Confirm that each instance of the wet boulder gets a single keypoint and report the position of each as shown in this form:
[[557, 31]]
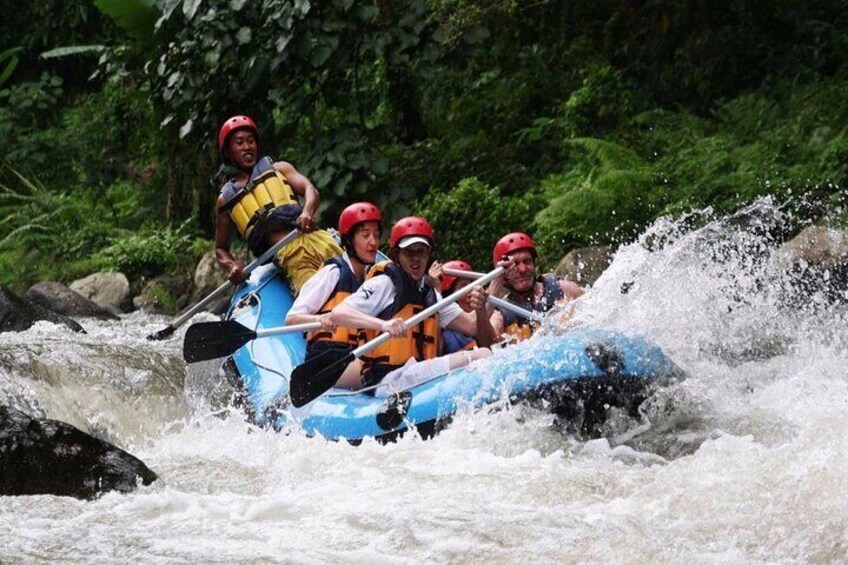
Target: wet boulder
[[208, 276], [109, 290], [166, 294], [817, 258], [63, 300], [585, 265], [18, 314], [40, 456]]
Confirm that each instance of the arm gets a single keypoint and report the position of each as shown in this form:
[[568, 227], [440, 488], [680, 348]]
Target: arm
[[225, 259], [312, 297], [344, 315], [303, 186], [483, 330], [570, 289], [435, 274], [497, 322]]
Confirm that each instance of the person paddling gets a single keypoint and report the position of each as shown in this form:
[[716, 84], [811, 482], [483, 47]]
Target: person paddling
[[522, 286], [454, 340], [360, 228], [260, 202], [393, 292]]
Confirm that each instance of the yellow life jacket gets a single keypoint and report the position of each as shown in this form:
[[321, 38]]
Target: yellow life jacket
[[420, 342], [347, 285], [249, 204], [518, 328]]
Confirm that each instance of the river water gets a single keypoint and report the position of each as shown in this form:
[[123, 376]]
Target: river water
[[744, 461]]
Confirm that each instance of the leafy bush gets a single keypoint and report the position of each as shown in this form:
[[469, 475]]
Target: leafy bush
[[471, 217], [152, 251], [607, 196]]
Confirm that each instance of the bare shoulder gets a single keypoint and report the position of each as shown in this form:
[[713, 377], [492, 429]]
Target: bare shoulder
[[284, 167]]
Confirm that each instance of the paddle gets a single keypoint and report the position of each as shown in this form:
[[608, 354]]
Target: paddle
[[316, 376], [499, 302], [261, 260], [211, 340]]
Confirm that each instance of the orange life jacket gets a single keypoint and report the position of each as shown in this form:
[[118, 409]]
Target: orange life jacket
[[420, 342], [347, 285]]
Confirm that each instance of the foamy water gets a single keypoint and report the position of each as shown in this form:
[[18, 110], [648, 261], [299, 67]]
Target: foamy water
[[745, 461]]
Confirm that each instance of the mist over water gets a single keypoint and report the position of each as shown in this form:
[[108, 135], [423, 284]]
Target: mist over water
[[744, 461]]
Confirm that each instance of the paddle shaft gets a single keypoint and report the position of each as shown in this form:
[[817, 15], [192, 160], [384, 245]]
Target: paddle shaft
[[308, 327], [427, 312], [499, 302], [462, 274], [256, 263], [517, 310]]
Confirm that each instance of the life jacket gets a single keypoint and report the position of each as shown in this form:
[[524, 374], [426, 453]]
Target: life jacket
[[420, 342], [519, 328], [457, 341], [253, 205], [347, 285]]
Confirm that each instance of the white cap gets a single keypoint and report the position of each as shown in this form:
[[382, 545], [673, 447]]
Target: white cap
[[411, 239]]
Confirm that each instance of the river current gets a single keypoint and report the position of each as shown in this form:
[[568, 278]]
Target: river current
[[745, 461]]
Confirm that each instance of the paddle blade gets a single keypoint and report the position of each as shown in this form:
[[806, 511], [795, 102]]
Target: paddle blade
[[211, 340], [316, 376], [167, 331]]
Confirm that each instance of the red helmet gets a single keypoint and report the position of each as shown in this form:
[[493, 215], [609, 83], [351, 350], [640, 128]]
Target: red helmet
[[234, 123], [448, 280], [357, 213], [411, 225], [510, 243]]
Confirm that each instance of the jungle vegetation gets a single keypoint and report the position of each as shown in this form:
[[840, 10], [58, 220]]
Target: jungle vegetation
[[579, 121]]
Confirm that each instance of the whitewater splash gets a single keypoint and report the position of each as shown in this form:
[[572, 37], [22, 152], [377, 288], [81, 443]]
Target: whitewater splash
[[744, 461]]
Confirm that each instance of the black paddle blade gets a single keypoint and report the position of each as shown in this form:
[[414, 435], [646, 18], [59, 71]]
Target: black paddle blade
[[211, 340], [162, 334], [316, 376]]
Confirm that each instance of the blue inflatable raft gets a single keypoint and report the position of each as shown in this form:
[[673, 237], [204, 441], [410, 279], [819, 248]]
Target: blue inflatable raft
[[578, 375]]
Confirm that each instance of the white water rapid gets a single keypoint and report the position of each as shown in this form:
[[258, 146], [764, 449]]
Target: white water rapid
[[746, 461]]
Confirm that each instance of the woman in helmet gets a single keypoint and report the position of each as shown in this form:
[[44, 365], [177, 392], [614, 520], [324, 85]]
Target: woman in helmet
[[393, 292], [360, 227], [523, 287], [260, 203]]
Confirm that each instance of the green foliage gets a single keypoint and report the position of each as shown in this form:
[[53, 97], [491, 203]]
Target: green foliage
[[62, 229], [602, 101], [605, 197], [136, 17], [150, 251], [10, 57], [26, 110], [471, 217], [590, 117], [672, 162]]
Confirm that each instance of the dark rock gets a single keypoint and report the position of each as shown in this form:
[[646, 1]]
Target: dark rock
[[52, 457], [18, 314], [63, 300]]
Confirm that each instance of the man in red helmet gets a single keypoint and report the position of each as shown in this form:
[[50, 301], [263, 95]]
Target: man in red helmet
[[360, 227], [260, 202], [523, 287], [393, 292]]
